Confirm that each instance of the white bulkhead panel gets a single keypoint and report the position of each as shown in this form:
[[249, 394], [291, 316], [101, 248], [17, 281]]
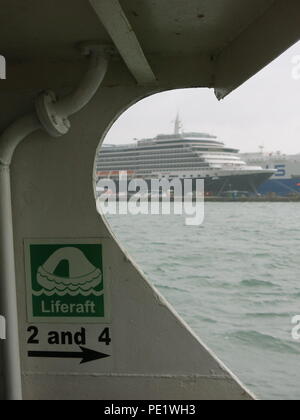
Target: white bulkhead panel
[[149, 352]]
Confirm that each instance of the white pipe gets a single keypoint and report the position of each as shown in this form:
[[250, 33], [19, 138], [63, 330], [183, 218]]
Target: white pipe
[[14, 134], [8, 297], [9, 140], [54, 113], [89, 85], [8, 304]]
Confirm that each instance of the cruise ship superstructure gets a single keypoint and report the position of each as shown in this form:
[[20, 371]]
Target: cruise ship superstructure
[[184, 156]]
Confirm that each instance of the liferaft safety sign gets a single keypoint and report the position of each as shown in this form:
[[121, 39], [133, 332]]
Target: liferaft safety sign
[[65, 281]]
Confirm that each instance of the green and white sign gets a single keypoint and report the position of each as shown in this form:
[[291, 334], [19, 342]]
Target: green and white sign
[[65, 281]]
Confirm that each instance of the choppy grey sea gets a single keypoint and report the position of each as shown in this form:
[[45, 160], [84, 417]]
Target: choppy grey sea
[[235, 280]]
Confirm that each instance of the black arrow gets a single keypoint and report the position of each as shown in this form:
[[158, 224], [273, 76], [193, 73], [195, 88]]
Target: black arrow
[[86, 355]]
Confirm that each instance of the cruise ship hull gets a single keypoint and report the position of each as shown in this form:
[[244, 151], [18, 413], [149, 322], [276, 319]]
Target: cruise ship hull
[[248, 182], [215, 185]]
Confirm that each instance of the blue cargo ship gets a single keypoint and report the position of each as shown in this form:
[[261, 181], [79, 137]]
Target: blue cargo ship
[[286, 179]]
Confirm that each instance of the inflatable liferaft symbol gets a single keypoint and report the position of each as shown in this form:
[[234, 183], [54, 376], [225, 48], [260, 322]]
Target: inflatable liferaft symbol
[[68, 272]]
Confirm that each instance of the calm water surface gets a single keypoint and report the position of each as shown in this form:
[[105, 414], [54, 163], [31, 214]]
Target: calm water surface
[[235, 281]]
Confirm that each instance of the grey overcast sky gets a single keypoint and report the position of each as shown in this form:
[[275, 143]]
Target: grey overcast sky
[[264, 111]]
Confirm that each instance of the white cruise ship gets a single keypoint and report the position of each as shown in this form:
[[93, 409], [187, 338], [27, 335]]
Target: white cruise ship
[[182, 155]]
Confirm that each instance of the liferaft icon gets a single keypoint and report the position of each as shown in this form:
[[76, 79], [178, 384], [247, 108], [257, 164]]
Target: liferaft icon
[[65, 281]]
